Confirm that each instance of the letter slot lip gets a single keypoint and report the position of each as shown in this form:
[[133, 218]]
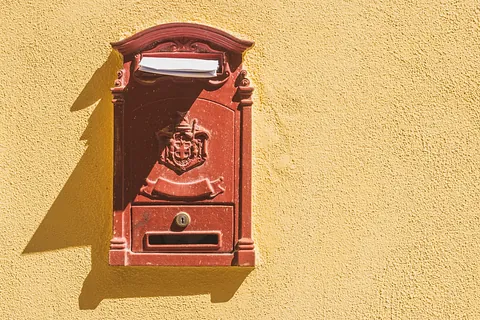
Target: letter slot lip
[[182, 239], [220, 57]]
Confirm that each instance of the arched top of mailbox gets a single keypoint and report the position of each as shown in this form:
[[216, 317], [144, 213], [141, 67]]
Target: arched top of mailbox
[[150, 37]]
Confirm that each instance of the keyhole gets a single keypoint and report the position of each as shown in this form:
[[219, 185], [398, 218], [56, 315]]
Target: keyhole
[[182, 219]]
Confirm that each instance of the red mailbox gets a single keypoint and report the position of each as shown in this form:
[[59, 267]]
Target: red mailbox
[[182, 149]]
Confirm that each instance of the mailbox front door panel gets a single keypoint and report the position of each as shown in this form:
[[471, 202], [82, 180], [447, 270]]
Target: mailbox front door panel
[[154, 229]]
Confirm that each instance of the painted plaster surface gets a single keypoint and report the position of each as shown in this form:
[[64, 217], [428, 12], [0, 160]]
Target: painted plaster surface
[[366, 162]]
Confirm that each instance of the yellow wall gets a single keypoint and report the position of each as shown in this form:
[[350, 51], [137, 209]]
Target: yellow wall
[[367, 162]]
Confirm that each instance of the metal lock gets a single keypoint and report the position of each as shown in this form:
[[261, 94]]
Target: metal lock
[[182, 219]]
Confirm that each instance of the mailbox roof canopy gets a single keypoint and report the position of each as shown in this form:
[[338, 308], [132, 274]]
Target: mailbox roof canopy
[[164, 32]]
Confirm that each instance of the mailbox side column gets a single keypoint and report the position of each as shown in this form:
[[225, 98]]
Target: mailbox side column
[[245, 254], [119, 243]]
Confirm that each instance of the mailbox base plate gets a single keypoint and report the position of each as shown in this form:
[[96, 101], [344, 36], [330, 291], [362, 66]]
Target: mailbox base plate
[[129, 258]]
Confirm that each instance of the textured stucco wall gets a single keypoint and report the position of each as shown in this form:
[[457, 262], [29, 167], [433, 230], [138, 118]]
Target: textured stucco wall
[[366, 177]]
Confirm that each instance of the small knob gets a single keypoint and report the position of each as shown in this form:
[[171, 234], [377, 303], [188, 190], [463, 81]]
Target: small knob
[[182, 219]]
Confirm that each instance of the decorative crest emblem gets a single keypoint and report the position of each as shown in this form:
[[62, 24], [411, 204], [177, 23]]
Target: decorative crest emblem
[[185, 145]]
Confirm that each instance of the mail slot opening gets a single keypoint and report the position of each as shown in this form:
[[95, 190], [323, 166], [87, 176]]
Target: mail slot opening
[[180, 67], [172, 239]]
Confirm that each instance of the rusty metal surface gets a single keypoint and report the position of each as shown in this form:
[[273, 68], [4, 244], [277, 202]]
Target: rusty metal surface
[[182, 145]]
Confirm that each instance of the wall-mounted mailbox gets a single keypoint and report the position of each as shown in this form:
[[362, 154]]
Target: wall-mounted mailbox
[[182, 149]]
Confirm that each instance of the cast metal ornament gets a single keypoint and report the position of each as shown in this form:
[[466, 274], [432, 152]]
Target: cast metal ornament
[[185, 146]]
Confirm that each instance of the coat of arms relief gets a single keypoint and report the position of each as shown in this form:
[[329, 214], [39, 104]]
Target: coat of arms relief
[[185, 145]]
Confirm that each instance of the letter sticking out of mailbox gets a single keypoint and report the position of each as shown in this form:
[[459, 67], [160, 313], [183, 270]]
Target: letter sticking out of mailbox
[[182, 149]]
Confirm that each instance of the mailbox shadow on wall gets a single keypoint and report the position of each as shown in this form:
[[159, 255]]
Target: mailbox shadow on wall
[[182, 146]]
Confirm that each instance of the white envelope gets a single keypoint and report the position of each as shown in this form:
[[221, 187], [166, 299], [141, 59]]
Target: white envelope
[[180, 67]]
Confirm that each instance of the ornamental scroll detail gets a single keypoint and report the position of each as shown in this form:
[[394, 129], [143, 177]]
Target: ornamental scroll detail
[[185, 145], [199, 190]]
